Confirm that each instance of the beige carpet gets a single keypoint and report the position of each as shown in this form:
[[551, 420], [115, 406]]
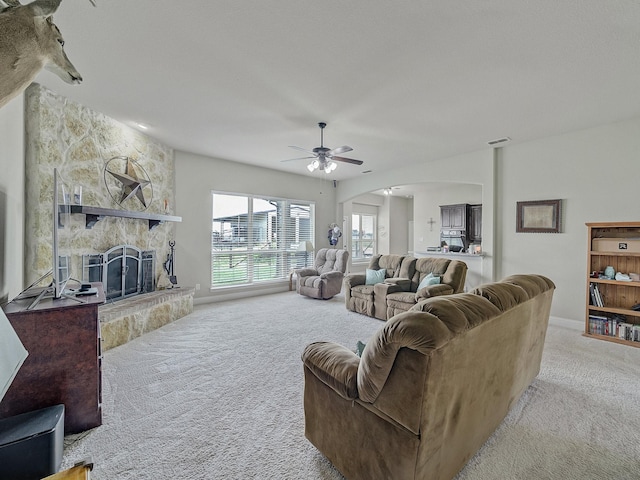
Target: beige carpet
[[218, 395]]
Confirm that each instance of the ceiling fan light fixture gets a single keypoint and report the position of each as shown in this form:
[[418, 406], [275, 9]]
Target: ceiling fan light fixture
[[325, 158]]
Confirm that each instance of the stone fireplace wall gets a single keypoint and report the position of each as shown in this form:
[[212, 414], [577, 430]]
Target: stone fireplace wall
[[79, 142]]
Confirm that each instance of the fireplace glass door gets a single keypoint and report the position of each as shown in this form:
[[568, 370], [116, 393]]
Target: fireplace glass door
[[123, 275], [124, 270]]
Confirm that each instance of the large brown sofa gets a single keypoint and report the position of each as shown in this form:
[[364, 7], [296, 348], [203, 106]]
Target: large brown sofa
[[432, 384], [399, 290]]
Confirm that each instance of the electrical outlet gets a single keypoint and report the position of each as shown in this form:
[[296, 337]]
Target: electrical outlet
[[197, 286]]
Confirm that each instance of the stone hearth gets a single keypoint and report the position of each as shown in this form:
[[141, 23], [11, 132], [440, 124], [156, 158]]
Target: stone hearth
[[129, 318]]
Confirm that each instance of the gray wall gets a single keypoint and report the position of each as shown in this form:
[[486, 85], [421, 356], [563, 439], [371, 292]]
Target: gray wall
[[197, 176], [475, 169], [595, 171], [427, 201], [12, 193]]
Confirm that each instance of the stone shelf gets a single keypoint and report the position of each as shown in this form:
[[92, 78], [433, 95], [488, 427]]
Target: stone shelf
[[94, 214]]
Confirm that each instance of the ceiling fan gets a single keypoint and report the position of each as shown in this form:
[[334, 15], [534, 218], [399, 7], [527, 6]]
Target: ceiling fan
[[323, 157]]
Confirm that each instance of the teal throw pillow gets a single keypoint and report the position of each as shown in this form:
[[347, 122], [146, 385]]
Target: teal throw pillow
[[375, 276], [360, 348], [430, 279]]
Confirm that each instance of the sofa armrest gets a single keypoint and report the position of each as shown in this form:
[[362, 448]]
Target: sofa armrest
[[420, 331], [403, 283], [336, 366], [354, 279], [332, 275], [433, 291], [381, 290], [306, 272]]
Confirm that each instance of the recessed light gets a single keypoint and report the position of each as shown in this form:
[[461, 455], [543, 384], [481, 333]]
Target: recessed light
[[142, 126]]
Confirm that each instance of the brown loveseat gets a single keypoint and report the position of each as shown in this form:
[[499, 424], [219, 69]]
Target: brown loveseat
[[399, 290], [358, 296], [402, 298], [432, 384]]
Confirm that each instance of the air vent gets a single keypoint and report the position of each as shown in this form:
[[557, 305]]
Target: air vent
[[367, 171], [493, 143]]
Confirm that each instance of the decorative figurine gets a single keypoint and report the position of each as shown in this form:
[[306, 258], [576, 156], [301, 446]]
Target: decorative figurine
[[334, 234]]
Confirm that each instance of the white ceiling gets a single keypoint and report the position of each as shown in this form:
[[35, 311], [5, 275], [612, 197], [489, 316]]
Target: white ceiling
[[399, 81]]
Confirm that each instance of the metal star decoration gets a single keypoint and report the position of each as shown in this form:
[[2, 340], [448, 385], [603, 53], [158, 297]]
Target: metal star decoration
[[132, 183]]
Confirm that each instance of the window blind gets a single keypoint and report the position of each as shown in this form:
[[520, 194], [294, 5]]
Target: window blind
[[257, 239]]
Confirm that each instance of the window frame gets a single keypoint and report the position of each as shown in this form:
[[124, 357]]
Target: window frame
[[266, 249], [357, 242]]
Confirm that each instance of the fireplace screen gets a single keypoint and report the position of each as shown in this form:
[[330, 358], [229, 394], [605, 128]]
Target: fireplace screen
[[124, 271]]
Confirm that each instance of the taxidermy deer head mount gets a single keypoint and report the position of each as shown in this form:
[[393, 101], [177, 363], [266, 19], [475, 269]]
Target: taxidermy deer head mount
[[29, 41]]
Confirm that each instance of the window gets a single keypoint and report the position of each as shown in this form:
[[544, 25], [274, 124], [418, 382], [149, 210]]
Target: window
[[363, 240], [256, 239]]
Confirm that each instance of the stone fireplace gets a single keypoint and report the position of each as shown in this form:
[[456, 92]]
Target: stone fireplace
[[108, 246], [79, 143]]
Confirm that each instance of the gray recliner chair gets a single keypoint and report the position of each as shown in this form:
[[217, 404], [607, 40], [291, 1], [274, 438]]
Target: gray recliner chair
[[324, 279]]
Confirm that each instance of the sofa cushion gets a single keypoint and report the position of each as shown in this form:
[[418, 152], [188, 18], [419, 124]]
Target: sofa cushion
[[428, 280], [502, 295], [458, 312], [331, 260], [399, 298], [532, 284], [391, 263], [364, 292], [429, 265], [374, 276]]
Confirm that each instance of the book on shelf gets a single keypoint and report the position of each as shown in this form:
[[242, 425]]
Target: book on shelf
[[596, 297], [601, 325], [614, 327], [629, 332]]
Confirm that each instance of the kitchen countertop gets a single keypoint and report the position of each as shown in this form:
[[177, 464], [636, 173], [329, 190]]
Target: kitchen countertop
[[448, 254]]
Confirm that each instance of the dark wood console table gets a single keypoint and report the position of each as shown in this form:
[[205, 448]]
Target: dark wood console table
[[64, 364]]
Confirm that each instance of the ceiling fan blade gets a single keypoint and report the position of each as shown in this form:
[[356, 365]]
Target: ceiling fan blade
[[299, 158], [347, 160], [339, 150], [302, 150]]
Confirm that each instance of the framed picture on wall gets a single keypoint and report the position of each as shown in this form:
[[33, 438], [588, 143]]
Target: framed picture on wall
[[539, 216]]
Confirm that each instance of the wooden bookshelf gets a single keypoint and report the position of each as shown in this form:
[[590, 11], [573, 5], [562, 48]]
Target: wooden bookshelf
[[615, 244]]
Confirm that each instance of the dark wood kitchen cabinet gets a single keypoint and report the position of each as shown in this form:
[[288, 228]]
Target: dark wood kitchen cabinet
[[475, 224], [453, 217], [64, 365]]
